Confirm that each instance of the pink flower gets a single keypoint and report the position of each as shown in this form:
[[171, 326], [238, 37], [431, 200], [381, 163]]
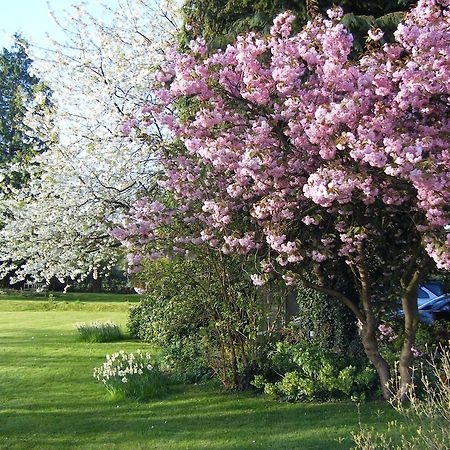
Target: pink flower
[[375, 34], [257, 280], [387, 333]]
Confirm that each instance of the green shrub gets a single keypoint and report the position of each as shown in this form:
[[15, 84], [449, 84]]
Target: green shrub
[[433, 335], [188, 360], [135, 320], [306, 371], [99, 331], [205, 326], [136, 376]]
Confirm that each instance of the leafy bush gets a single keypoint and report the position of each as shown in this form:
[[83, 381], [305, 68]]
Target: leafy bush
[[173, 307], [325, 321], [174, 325], [99, 331], [433, 335], [205, 326], [306, 371], [188, 360], [135, 320], [426, 418], [135, 376], [429, 338]]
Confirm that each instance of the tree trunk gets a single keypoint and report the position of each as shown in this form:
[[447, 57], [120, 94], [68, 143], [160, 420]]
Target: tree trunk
[[369, 328], [406, 357], [411, 311], [410, 308], [233, 361], [369, 340]]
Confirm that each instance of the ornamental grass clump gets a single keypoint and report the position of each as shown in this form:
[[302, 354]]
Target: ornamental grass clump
[[425, 416], [131, 375], [99, 331]]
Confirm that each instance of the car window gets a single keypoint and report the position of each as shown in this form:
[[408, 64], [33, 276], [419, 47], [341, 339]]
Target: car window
[[423, 294], [436, 288]]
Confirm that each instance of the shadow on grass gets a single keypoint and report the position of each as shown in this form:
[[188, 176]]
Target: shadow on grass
[[199, 417]]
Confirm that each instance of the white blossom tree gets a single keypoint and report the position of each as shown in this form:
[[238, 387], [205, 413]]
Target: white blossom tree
[[59, 224]]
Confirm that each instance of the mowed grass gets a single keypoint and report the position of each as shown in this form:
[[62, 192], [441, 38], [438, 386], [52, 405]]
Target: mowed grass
[[49, 399], [70, 301]]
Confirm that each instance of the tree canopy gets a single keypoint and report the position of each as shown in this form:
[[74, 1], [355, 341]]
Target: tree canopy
[[309, 158], [59, 224]]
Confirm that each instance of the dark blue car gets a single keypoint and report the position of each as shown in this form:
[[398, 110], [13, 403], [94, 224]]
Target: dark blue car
[[433, 303], [436, 309], [429, 291]]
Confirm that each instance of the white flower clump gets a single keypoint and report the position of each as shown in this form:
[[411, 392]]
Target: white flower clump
[[96, 325], [122, 367], [99, 331]]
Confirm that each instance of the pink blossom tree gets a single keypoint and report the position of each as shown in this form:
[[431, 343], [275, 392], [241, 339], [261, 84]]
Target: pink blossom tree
[[312, 160]]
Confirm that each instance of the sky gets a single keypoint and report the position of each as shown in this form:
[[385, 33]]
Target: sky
[[32, 19]]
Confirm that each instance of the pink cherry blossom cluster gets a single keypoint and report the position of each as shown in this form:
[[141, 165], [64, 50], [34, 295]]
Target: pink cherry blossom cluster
[[294, 143], [241, 245], [387, 333]]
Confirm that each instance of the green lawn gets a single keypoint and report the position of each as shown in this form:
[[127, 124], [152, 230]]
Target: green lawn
[[71, 301], [49, 400]]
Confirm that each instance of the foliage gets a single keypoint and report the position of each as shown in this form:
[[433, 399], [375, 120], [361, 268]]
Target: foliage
[[426, 417], [207, 309], [174, 304], [434, 335], [219, 22], [188, 360], [18, 88], [174, 319], [306, 371], [429, 337], [135, 320], [325, 322], [131, 375], [99, 332]]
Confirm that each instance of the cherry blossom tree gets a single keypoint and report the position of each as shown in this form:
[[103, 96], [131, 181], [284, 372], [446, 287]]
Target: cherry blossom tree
[[310, 159], [59, 224]]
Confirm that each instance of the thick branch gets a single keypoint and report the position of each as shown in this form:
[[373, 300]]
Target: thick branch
[[336, 294]]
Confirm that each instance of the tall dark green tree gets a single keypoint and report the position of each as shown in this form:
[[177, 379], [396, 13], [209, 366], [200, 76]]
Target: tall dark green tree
[[220, 21], [18, 87]]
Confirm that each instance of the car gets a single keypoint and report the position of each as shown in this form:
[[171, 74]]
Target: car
[[436, 309], [432, 301], [429, 291]]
